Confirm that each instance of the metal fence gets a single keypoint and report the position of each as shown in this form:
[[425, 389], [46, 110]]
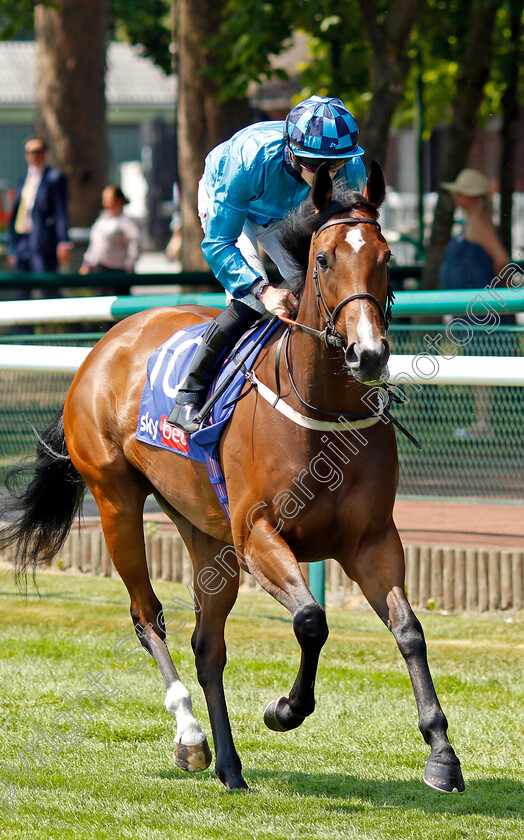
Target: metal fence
[[30, 400], [472, 437], [457, 460]]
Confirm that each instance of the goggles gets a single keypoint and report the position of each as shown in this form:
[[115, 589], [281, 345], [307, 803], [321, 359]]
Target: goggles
[[312, 164]]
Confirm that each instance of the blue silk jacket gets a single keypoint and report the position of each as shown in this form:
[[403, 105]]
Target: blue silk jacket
[[248, 177]]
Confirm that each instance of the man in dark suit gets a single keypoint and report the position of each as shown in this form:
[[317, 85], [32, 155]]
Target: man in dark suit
[[38, 239]]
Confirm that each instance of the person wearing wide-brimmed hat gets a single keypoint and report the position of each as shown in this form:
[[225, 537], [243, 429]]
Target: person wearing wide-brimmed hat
[[473, 258], [471, 261]]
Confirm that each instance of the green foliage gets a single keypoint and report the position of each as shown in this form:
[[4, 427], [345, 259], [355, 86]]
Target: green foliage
[[340, 54], [437, 45], [17, 19], [252, 33], [147, 24], [496, 85], [143, 23], [241, 50]]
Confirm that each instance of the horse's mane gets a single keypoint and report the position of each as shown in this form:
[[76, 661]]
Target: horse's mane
[[298, 227]]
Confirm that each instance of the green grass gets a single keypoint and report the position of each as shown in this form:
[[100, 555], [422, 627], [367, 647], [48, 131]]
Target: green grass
[[353, 770]]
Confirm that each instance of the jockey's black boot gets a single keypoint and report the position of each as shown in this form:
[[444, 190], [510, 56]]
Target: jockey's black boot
[[221, 336]]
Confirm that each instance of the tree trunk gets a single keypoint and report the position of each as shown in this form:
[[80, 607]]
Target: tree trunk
[[202, 123], [71, 49], [391, 63], [509, 133], [471, 79]]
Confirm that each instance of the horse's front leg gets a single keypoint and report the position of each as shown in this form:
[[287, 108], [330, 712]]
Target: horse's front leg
[[380, 572], [275, 567]]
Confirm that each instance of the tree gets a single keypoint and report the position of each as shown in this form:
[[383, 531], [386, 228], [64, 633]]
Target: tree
[[363, 52], [510, 118], [477, 51], [202, 121], [367, 73], [389, 36], [15, 19], [71, 49]]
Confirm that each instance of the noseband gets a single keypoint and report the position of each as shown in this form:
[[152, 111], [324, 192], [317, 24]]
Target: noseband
[[330, 334]]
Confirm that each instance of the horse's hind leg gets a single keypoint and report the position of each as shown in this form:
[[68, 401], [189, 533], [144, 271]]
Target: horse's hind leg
[[380, 573], [120, 492], [216, 587]]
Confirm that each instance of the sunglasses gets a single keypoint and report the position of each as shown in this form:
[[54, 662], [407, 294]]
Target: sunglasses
[[38, 151], [312, 165]]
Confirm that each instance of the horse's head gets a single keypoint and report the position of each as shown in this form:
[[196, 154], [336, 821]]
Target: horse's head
[[348, 263]]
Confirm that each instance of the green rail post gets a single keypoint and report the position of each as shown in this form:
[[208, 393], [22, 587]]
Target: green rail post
[[317, 582]]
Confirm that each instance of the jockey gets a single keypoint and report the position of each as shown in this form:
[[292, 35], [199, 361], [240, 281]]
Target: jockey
[[250, 183]]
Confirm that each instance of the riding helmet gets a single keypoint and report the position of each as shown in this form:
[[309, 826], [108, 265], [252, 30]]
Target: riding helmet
[[322, 127]]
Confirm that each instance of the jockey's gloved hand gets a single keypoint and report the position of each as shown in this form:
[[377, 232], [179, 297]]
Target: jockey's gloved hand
[[279, 301]]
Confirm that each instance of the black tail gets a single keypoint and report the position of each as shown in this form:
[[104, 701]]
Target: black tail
[[46, 507]]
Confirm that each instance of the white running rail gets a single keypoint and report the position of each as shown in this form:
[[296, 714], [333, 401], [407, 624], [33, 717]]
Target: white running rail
[[422, 369]]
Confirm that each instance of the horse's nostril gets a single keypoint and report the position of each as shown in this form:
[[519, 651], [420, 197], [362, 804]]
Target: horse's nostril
[[352, 358], [367, 363]]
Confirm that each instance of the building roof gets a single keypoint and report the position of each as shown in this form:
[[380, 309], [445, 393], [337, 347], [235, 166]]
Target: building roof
[[131, 80]]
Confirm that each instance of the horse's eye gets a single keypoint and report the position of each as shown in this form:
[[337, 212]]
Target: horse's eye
[[322, 261]]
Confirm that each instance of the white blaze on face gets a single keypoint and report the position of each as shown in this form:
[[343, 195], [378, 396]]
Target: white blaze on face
[[365, 329], [355, 239], [366, 336]]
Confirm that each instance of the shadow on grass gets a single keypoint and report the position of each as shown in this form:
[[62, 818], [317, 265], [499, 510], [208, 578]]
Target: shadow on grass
[[500, 798], [490, 797]]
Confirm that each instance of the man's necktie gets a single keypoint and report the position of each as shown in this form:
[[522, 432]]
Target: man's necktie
[[21, 221]]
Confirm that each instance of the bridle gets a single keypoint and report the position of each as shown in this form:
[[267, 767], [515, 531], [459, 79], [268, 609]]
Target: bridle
[[331, 317], [333, 338], [329, 334]]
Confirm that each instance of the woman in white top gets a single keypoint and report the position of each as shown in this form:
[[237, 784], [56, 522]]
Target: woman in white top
[[113, 239]]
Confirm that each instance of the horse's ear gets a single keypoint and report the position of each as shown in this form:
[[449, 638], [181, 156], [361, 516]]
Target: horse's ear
[[375, 190], [322, 189]]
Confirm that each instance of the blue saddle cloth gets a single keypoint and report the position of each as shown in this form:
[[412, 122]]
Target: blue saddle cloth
[[166, 369]]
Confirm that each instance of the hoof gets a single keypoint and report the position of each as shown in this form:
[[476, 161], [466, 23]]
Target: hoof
[[192, 758], [447, 778], [279, 717], [236, 785]]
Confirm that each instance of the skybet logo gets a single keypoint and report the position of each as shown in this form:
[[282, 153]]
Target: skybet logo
[[175, 438]]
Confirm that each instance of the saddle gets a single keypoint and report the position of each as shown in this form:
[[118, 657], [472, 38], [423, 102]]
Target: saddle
[[167, 368]]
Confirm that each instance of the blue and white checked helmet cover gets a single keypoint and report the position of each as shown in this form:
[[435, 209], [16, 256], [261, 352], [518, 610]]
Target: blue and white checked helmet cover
[[322, 127]]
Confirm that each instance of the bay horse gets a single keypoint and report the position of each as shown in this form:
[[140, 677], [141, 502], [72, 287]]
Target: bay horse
[[295, 493]]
